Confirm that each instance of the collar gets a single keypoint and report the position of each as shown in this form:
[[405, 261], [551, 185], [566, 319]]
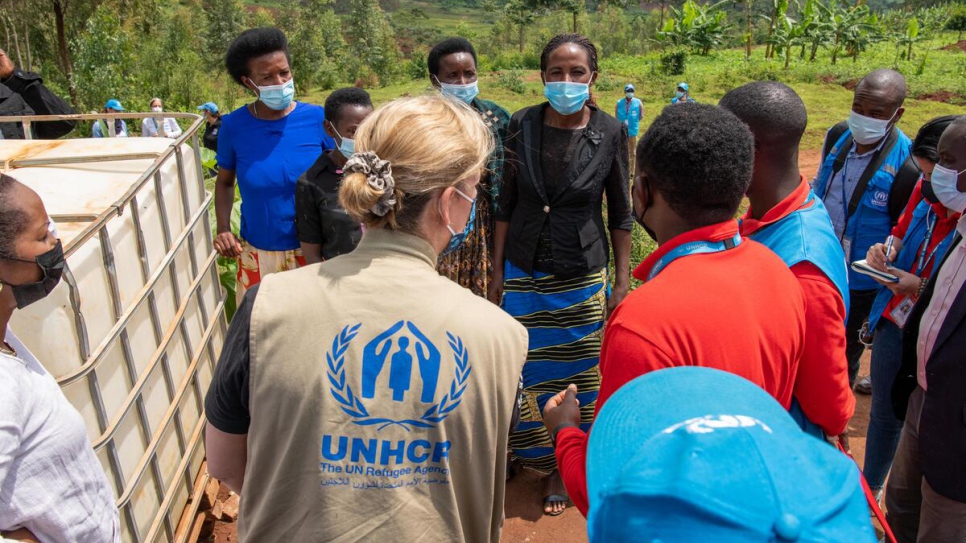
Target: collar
[[382, 242], [715, 232], [793, 202]]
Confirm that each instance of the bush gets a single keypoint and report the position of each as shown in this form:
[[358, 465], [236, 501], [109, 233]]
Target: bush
[[674, 63], [606, 84], [416, 67], [512, 80]]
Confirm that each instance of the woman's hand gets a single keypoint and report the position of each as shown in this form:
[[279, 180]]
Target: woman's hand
[[616, 297], [494, 290], [908, 284], [228, 245], [877, 258]]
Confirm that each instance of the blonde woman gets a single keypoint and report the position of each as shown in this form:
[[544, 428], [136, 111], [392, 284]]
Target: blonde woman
[[368, 398]]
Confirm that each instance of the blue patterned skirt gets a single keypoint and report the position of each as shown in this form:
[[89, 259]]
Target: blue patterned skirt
[[565, 320]]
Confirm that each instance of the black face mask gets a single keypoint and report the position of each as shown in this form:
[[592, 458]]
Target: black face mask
[[928, 193], [51, 265], [647, 205]]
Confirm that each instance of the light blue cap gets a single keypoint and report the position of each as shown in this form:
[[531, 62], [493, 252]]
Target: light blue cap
[[114, 104], [684, 86], [693, 454], [211, 107], [629, 87]]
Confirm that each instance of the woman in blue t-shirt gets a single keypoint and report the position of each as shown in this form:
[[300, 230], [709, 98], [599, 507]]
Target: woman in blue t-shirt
[[266, 145]]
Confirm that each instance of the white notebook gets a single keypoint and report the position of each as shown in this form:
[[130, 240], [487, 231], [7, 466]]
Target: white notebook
[[862, 266]]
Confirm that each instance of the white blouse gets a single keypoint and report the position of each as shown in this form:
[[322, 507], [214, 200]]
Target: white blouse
[[50, 480]]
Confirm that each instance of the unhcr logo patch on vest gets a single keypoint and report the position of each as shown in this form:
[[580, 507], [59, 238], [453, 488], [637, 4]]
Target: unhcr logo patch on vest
[[880, 199], [392, 362]]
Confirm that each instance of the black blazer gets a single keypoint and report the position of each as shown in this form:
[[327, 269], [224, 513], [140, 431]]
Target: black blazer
[[942, 425], [577, 234]]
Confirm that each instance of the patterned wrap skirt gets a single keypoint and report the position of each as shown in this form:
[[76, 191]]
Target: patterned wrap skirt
[[469, 266], [253, 264], [565, 320]]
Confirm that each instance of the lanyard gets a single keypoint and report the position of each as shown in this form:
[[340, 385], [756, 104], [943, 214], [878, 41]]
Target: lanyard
[[931, 221], [693, 248], [845, 201]]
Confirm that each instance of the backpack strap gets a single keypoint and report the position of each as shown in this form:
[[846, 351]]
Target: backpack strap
[[871, 169], [902, 187], [833, 136]]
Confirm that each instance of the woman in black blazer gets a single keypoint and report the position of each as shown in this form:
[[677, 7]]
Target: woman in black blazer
[[550, 245]]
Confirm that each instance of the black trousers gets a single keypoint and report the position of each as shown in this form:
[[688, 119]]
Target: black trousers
[[859, 308]]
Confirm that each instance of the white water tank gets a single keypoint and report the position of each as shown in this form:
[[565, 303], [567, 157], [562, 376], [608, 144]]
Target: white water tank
[[133, 332]]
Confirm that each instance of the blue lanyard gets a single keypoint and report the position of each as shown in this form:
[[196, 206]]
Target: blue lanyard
[[693, 248], [931, 221]]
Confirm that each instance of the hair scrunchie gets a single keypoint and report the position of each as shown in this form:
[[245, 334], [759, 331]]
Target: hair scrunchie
[[378, 174]]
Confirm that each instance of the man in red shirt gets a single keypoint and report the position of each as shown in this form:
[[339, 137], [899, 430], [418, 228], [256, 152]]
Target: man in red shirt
[[710, 297], [790, 220]]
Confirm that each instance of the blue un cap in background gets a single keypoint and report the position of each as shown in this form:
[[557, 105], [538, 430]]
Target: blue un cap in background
[[692, 454], [210, 107], [114, 104], [684, 87]]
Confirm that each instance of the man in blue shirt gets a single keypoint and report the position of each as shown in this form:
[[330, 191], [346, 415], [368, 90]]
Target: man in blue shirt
[[683, 95], [858, 184], [629, 111], [116, 128]]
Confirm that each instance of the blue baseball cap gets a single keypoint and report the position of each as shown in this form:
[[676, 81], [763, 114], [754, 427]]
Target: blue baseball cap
[[209, 106], [684, 86], [694, 454], [629, 87], [114, 104]]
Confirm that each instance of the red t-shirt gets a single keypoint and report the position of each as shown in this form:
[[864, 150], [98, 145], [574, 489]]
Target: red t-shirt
[[822, 383], [738, 310], [944, 225]]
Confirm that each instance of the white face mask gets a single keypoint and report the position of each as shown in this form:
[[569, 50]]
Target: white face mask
[[866, 130], [156, 109], [944, 184]]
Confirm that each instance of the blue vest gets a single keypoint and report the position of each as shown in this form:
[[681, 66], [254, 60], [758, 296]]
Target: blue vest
[[870, 224], [806, 234], [909, 255]]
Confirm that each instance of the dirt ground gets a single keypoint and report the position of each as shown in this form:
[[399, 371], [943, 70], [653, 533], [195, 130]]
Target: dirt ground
[[525, 522]]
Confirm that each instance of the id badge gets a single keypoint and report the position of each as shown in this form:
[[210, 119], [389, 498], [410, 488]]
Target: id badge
[[847, 249], [901, 312]]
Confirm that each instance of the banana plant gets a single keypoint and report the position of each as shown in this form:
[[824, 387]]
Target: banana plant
[[701, 27], [905, 40]]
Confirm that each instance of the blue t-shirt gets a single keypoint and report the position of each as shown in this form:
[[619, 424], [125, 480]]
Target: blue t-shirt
[[630, 113], [268, 157]]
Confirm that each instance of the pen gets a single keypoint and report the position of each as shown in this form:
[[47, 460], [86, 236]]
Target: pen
[[888, 250]]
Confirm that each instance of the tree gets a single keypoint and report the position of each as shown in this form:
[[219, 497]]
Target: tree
[[226, 20], [314, 46], [957, 21], [522, 15], [701, 27], [372, 44]]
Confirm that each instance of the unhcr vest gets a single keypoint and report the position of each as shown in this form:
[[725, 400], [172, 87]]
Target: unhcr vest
[[909, 255], [806, 235], [870, 223], [381, 399]]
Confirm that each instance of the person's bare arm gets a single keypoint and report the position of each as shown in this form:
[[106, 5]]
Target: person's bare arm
[[312, 252], [621, 240], [495, 289], [227, 457], [226, 243], [20, 534]]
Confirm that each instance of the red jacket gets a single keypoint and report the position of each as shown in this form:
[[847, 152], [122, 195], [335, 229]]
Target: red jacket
[[822, 383], [738, 310]]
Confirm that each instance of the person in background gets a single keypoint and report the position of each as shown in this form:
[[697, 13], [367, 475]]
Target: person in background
[[629, 111], [710, 297], [926, 492], [715, 459], [325, 230], [452, 70], [550, 249], [683, 95], [264, 146], [857, 184], [919, 241], [421, 379], [104, 128], [24, 93], [168, 127], [51, 482], [789, 219], [212, 125]]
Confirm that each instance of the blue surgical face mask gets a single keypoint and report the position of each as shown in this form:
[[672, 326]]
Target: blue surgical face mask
[[346, 146], [679, 94], [866, 130], [460, 237], [277, 97], [465, 93], [944, 183], [566, 98]]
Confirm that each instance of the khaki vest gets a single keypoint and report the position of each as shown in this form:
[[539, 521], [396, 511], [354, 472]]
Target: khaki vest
[[381, 397]]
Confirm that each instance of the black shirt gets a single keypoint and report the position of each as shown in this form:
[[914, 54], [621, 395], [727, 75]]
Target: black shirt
[[557, 150], [210, 139], [318, 216], [226, 403], [24, 93]]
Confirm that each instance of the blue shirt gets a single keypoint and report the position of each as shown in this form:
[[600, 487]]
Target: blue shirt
[[268, 157], [853, 168], [630, 113]]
